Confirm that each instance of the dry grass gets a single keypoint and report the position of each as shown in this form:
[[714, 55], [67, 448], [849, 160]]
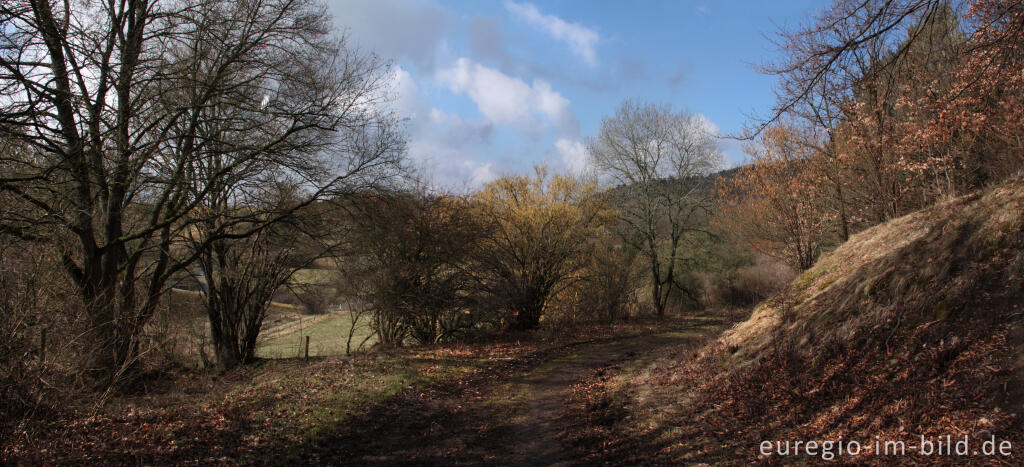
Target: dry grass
[[915, 262], [914, 327]]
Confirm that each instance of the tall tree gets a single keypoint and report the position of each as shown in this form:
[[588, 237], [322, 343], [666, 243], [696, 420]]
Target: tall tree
[[119, 105], [659, 158], [299, 120]]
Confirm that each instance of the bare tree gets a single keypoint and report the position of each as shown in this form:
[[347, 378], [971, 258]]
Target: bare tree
[[887, 80], [658, 158], [302, 121], [140, 120], [79, 89], [849, 42]]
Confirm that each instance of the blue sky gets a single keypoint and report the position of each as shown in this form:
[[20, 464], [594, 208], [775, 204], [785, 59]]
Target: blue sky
[[496, 87]]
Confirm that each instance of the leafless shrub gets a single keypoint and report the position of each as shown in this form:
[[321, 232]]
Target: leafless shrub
[[747, 285], [37, 357], [762, 280], [414, 248], [606, 291]]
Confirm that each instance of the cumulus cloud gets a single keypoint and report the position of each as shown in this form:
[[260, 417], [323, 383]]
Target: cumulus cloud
[[574, 154], [406, 95], [425, 120], [442, 143], [450, 166], [504, 99], [516, 105], [582, 40]]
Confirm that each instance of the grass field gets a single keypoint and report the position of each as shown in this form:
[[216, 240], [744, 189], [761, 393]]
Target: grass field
[[311, 276], [327, 336], [283, 335]]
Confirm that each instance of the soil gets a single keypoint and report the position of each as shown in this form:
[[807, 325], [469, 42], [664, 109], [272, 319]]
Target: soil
[[514, 414]]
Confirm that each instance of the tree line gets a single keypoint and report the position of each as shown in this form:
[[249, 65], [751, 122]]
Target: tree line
[[149, 146], [225, 146]]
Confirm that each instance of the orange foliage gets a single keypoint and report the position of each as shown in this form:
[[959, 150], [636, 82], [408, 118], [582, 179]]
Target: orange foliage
[[776, 204], [542, 229]]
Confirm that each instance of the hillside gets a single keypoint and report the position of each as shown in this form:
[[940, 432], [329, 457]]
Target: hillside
[[949, 269], [912, 328]]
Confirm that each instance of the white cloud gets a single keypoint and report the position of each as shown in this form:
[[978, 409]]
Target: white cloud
[[442, 144], [574, 154], [581, 39], [480, 174], [705, 124], [504, 99]]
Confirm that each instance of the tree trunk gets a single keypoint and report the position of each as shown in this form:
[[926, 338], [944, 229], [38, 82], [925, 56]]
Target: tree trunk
[[528, 314], [112, 341], [228, 356], [658, 300], [526, 320], [842, 212]]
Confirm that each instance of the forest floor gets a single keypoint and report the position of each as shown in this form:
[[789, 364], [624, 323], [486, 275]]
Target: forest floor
[[498, 402]]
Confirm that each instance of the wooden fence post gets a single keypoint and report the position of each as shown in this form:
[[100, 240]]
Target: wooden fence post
[[307, 347]]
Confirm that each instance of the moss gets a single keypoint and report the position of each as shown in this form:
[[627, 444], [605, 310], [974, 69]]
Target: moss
[[942, 310]]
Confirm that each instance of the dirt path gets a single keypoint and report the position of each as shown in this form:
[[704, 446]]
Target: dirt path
[[512, 415], [544, 391]]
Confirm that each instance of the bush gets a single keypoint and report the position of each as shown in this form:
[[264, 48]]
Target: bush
[[32, 303], [756, 282], [315, 298], [414, 253], [603, 291]]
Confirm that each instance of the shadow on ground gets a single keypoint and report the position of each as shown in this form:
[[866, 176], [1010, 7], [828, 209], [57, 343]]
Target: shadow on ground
[[509, 414]]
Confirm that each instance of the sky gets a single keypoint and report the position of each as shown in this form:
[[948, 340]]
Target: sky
[[494, 87]]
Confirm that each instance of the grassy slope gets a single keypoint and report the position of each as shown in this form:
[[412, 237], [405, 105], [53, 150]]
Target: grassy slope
[[914, 327], [939, 265]]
